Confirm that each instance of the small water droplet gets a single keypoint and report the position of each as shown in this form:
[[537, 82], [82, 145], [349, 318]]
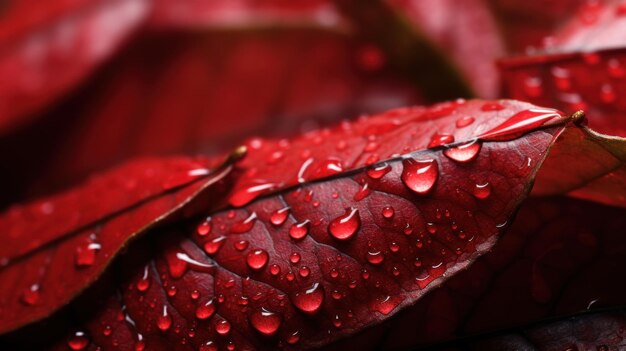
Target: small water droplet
[[274, 269], [438, 139], [78, 341], [279, 216], [257, 259], [464, 153], [86, 254], [385, 305], [420, 175], [388, 212], [492, 106], [362, 193], [204, 228], [378, 171], [375, 257], [346, 225], [144, 283], [482, 191], [293, 338], [30, 296], [164, 321], [304, 271], [222, 327], [208, 346], [195, 295], [299, 230], [294, 257], [464, 121], [394, 247], [212, 246], [244, 225], [241, 245], [265, 322], [206, 310], [310, 300]]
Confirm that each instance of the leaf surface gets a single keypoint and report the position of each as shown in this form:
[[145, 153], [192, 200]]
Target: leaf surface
[[56, 247], [334, 230]]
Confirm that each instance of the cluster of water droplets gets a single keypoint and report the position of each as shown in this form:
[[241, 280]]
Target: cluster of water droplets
[[236, 230]]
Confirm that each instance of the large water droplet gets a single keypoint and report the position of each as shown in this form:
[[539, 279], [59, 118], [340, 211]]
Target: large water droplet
[[464, 153], [205, 311], [522, 122], [257, 259], [299, 230], [420, 175], [378, 171], [440, 139], [86, 254], [344, 226], [265, 322], [279, 216], [212, 246], [310, 300], [78, 341], [244, 225], [164, 321]]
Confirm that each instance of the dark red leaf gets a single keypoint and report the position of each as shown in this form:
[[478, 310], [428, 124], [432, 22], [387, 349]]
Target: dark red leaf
[[54, 248], [359, 243], [552, 262]]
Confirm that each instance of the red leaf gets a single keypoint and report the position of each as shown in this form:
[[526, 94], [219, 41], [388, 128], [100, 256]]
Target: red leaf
[[184, 94], [583, 68], [54, 248], [472, 44], [359, 242], [48, 48]]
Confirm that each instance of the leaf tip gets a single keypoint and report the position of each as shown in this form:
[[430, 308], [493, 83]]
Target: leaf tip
[[578, 117]]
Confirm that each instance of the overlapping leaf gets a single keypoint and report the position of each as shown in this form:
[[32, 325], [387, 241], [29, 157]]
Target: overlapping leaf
[[54, 248], [583, 67]]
